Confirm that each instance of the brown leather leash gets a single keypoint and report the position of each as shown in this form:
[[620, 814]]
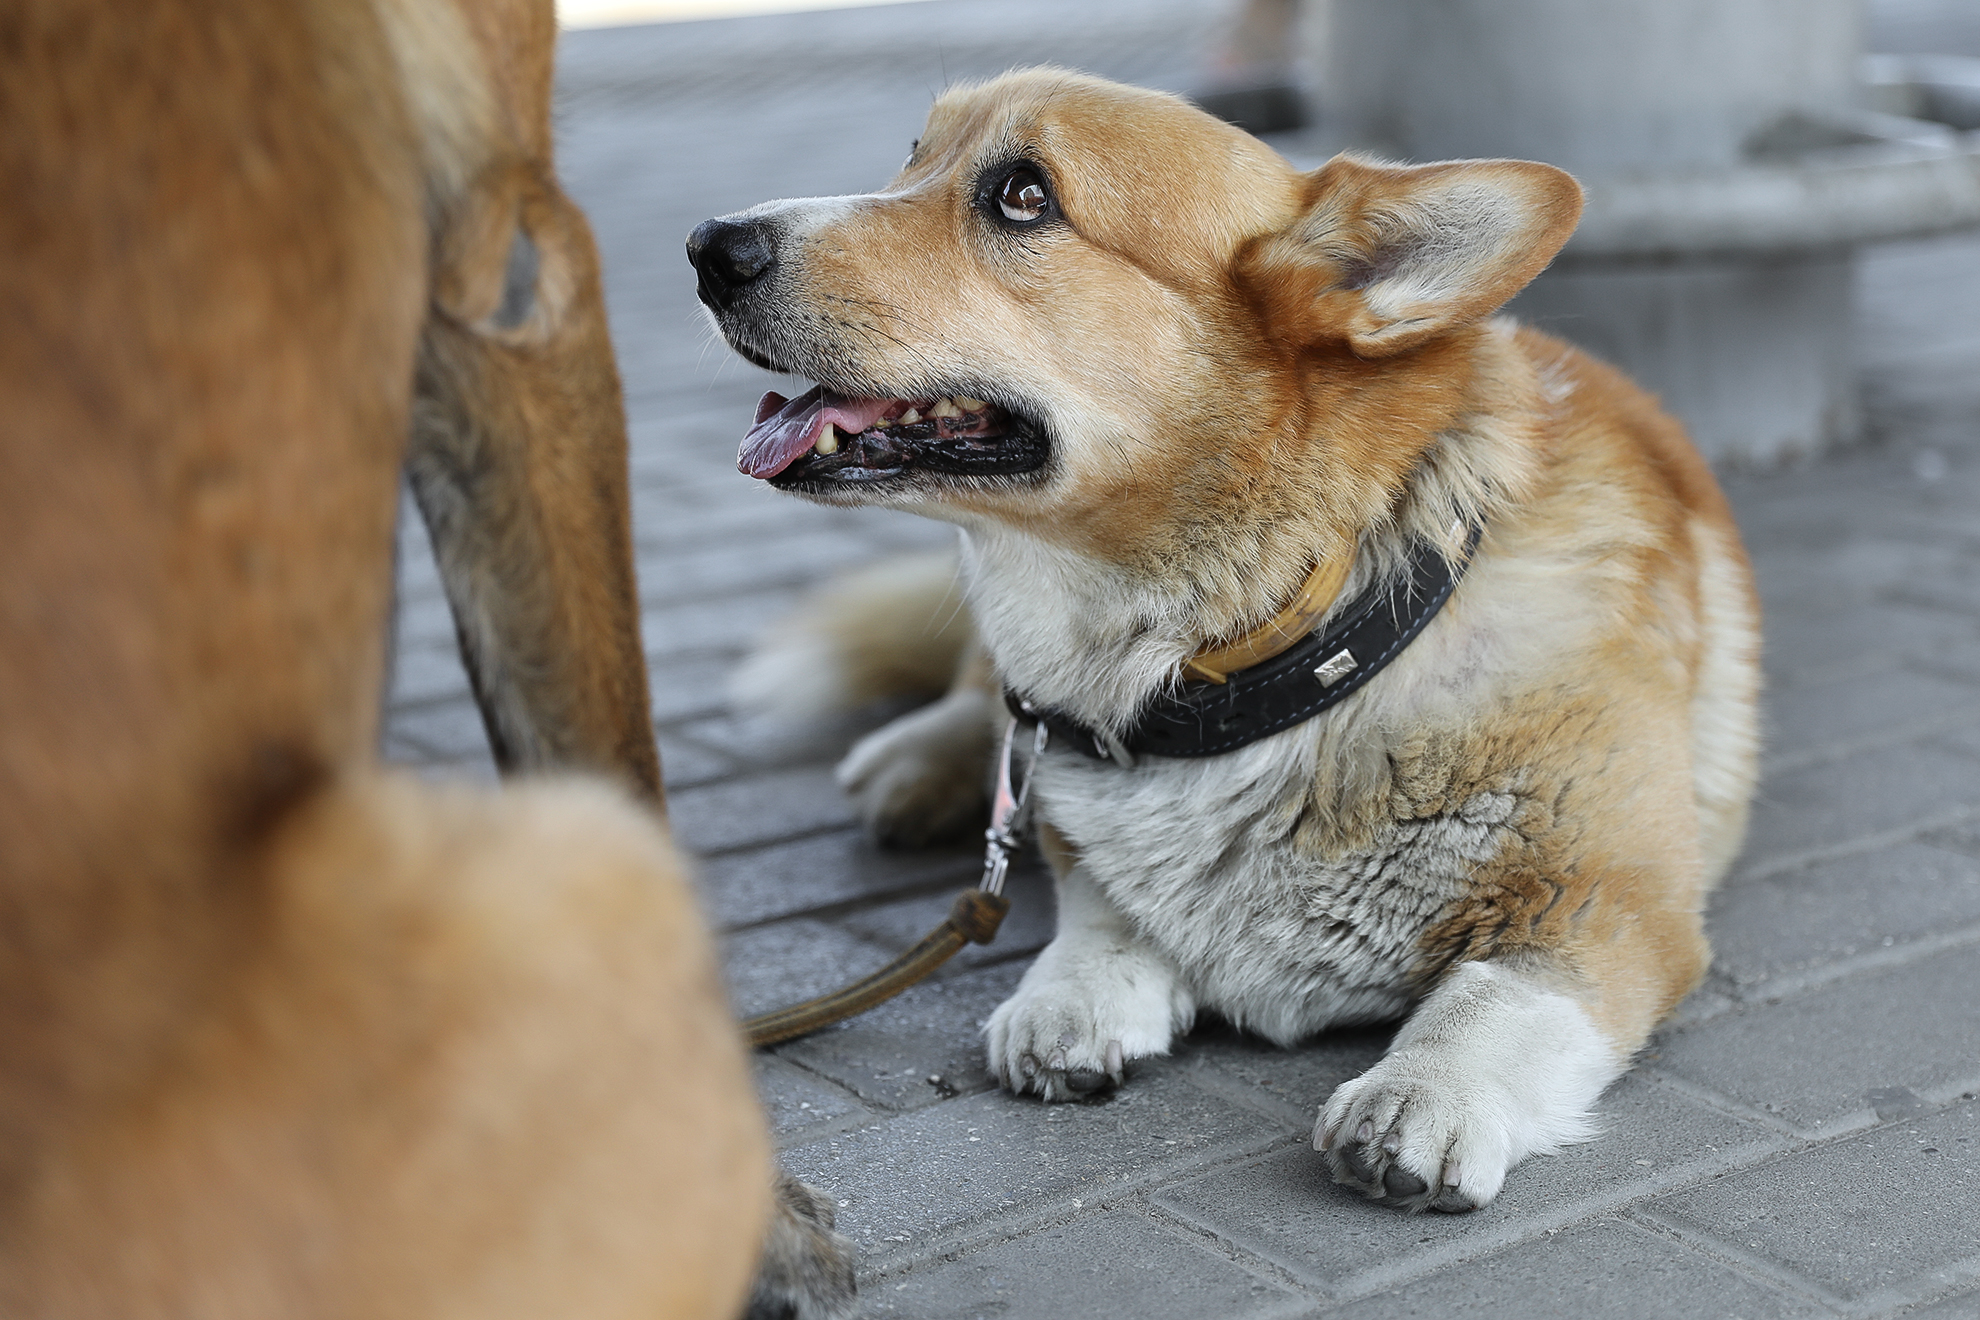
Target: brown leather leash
[[973, 918]]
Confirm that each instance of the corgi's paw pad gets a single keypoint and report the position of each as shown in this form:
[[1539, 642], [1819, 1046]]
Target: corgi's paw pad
[[1415, 1141], [922, 778]]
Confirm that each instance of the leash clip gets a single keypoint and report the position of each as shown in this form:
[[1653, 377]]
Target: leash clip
[[1009, 809]]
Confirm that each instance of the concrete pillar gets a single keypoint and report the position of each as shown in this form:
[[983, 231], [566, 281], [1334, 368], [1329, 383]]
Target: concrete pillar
[[1751, 350]]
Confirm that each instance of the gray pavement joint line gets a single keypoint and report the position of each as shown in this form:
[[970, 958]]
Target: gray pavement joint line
[[1929, 668], [728, 654], [1770, 1274], [1207, 1077], [1855, 1123], [1790, 985], [1302, 1304], [1251, 1263], [826, 1131], [768, 840], [1010, 1222], [1563, 1215], [1725, 1104], [1941, 1285], [1796, 859], [1842, 749], [1928, 601], [847, 907]]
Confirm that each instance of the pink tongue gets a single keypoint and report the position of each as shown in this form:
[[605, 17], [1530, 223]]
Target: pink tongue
[[786, 429]]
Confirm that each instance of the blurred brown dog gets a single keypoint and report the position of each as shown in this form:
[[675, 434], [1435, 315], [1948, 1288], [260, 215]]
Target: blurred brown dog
[[287, 1034]]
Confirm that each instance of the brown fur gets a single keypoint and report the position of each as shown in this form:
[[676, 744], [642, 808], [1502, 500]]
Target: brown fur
[[287, 1034]]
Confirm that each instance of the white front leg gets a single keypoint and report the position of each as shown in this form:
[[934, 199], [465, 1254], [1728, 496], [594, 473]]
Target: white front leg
[[1493, 1066], [1097, 996]]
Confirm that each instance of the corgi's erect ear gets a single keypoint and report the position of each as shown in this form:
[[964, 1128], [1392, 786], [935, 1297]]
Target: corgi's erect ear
[[1387, 257]]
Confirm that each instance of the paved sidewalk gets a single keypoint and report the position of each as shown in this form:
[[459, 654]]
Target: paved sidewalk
[[1804, 1140]]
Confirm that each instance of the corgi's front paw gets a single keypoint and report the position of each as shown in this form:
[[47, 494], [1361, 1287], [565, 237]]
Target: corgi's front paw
[[1414, 1141], [1491, 1068], [1076, 1022]]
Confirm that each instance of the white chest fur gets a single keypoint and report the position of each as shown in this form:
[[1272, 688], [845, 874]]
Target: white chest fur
[[1207, 858]]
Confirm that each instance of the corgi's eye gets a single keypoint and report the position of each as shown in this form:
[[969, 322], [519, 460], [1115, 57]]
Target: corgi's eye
[[1021, 196]]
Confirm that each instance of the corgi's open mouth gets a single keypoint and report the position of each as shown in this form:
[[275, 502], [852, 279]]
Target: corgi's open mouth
[[829, 439]]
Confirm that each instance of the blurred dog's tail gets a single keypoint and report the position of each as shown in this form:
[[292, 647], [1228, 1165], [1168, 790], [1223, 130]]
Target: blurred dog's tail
[[897, 628]]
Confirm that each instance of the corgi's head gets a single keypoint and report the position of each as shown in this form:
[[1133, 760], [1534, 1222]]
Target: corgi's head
[[1103, 317]]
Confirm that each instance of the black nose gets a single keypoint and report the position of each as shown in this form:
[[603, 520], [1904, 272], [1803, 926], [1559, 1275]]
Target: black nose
[[729, 255]]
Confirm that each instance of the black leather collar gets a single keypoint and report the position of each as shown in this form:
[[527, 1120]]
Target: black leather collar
[[1208, 719]]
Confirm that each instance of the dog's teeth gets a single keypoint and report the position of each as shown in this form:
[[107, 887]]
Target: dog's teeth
[[828, 440], [945, 407], [969, 405], [908, 418]]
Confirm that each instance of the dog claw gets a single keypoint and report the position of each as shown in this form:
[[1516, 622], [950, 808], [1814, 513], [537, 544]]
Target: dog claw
[[1085, 1081], [1116, 1065], [1057, 1063]]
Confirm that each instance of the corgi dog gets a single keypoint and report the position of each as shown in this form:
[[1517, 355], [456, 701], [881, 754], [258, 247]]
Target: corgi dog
[[1397, 662]]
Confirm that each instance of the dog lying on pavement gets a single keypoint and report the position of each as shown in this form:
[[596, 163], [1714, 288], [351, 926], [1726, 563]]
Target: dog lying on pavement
[[1395, 661], [288, 1034]]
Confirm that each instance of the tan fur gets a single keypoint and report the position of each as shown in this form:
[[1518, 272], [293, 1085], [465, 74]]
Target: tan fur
[[1243, 369], [285, 1034]]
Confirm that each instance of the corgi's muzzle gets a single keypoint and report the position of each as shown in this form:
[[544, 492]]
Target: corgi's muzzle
[[850, 433]]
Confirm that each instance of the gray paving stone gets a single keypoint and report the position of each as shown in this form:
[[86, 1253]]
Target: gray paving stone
[[1964, 738], [728, 625], [931, 1179], [798, 1102], [1820, 1059], [668, 528], [426, 673], [1295, 1082], [794, 557], [792, 961], [1026, 928], [686, 764], [1284, 1209], [824, 870], [1964, 838], [689, 687], [1805, 722], [1859, 642], [918, 1050], [1870, 793], [761, 808], [1122, 1264], [1874, 1220], [1789, 921], [773, 744], [446, 731], [1962, 1305], [1871, 565], [1609, 1269]]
